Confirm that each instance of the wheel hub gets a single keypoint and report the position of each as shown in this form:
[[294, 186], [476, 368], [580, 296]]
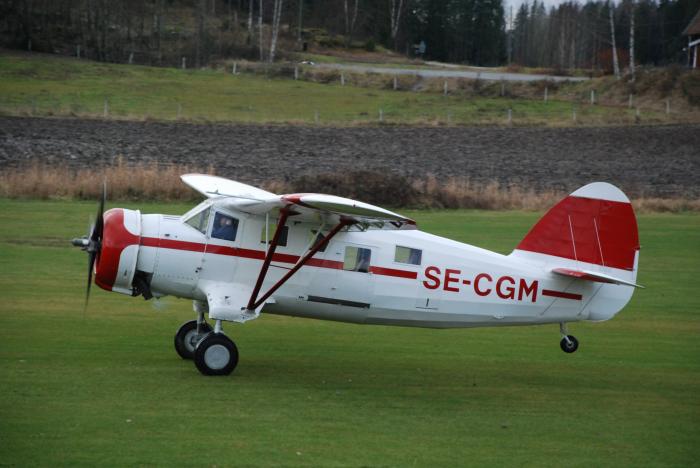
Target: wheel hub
[[217, 357]]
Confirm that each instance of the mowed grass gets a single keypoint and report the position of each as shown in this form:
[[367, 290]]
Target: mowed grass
[[106, 387], [45, 85]]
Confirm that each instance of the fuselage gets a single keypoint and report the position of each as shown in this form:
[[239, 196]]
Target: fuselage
[[398, 277]]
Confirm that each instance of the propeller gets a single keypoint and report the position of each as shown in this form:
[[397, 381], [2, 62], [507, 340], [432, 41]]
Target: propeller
[[92, 242]]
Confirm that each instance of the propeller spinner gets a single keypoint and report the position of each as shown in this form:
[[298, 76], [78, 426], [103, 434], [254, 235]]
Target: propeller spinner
[[92, 242]]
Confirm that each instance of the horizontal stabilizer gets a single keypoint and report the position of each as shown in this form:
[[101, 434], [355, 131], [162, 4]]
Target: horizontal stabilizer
[[593, 276]]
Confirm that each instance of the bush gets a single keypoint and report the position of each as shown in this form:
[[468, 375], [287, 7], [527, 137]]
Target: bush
[[370, 46]]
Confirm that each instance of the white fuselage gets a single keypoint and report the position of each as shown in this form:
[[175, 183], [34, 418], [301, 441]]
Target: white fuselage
[[454, 284]]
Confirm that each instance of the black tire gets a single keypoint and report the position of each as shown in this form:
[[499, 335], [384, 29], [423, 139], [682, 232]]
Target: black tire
[[216, 354], [186, 338], [569, 346]]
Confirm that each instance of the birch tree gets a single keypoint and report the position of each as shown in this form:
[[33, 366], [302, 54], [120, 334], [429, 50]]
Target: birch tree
[[632, 75], [260, 31], [395, 17], [616, 64], [350, 22], [276, 15]]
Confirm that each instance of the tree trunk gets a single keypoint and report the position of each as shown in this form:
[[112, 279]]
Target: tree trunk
[[395, 17], [632, 76], [616, 64], [260, 31], [276, 15]]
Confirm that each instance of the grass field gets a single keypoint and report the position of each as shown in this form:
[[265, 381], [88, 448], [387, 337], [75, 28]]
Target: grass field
[[106, 388], [39, 84]]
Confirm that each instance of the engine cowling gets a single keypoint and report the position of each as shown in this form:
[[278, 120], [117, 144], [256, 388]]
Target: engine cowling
[[116, 261]]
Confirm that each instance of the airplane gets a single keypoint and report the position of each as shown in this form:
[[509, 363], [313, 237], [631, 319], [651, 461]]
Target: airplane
[[244, 251]]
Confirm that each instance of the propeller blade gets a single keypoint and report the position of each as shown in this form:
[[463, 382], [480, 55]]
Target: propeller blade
[[91, 264]]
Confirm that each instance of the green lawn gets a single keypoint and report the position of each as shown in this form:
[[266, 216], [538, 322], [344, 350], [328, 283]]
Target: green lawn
[[106, 387], [46, 85]]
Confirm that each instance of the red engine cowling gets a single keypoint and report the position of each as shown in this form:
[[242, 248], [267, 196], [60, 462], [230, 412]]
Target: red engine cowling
[[116, 261]]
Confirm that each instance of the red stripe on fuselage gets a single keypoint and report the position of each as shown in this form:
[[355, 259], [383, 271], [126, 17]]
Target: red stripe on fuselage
[[562, 294], [260, 255]]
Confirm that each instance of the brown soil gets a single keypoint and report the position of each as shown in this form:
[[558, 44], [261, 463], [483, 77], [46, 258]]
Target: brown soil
[[658, 161]]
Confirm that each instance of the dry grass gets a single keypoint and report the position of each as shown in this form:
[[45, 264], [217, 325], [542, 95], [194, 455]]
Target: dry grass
[[162, 182]]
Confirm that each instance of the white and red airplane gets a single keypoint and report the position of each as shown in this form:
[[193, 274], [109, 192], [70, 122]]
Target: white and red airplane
[[244, 251]]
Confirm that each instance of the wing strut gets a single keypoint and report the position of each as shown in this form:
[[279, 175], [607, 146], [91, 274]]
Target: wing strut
[[254, 302]]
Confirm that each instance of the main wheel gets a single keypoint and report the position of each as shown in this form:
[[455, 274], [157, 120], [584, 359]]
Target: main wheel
[[569, 346], [186, 338], [216, 354]]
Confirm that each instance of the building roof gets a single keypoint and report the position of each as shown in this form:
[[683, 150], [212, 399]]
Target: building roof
[[693, 27]]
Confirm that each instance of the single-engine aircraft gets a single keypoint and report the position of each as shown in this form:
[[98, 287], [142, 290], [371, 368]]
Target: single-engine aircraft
[[244, 251]]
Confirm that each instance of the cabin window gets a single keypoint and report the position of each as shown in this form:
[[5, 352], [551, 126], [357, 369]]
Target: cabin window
[[225, 227], [282, 242], [408, 255], [200, 220], [357, 259], [318, 237]]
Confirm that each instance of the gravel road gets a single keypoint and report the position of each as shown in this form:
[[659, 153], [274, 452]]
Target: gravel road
[[652, 161]]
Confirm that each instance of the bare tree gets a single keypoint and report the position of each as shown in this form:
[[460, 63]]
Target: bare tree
[[616, 64], [350, 22], [276, 15], [395, 17]]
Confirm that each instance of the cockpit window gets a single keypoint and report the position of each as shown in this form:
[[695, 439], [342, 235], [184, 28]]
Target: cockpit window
[[200, 220], [225, 227]]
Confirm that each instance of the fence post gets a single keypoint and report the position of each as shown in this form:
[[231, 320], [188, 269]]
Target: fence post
[[77, 51], [573, 114], [296, 72], [234, 69], [444, 88], [342, 79], [668, 106], [503, 88], [510, 116], [449, 118], [105, 111], [546, 92], [396, 83], [381, 114], [592, 96], [631, 101], [184, 62]]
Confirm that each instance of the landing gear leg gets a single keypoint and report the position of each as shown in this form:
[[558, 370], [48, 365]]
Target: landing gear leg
[[216, 354], [568, 343]]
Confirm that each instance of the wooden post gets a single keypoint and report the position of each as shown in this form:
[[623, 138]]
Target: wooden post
[[105, 111], [449, 118], [592, 96], [77, 51], [296, 73], [546, 92], [184, 62], [131, 58], [342, 79], [668, 106], [636, 113], [381, 114], [510, 116], [503, 88], [396, 83], [234, 69], [631, 101], [444, 88], [573, 114]]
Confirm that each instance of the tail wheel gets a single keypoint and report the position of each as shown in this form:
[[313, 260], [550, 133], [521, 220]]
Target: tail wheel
[[186, 338], [216, 354], [569, 344]]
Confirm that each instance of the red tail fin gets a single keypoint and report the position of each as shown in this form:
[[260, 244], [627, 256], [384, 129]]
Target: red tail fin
[[595, 224]]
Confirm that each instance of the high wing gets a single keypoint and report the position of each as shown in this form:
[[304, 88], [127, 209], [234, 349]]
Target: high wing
[[593, 276], [329, 209]]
